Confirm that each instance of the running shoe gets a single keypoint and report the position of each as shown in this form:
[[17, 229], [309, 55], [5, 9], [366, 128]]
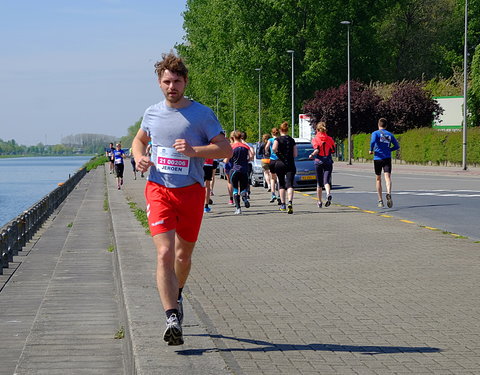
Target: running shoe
[[319, 204], [283, 207], [211, 193], [207, 210], [230, 202], [274, 198], [245, 200], [180, 310], [210, 201], [380, 204], [329, 200], [173, 331], [389, 201], [238, 211], [290, 209]]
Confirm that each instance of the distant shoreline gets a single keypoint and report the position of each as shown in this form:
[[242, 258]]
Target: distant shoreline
[[39, 156]]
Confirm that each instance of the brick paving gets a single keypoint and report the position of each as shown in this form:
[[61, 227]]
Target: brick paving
[[332, 291]]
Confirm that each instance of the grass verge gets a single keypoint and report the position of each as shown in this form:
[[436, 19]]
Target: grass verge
[[140, 214]]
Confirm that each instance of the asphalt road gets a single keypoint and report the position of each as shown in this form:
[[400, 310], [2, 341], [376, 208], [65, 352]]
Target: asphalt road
[[449, 203]]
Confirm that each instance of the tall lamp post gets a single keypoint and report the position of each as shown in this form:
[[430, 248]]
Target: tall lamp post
[[465, 54], [348, 88], [259, 104], [234, 110], [292, 52]]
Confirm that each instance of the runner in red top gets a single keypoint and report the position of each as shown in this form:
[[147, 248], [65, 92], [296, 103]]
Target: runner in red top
[[323, 148]]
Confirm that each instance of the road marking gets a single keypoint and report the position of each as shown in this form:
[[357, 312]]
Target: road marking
[[434, 193], [402, 220]]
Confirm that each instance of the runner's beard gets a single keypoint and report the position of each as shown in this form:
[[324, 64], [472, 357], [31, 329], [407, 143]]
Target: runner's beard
[[175, 98]]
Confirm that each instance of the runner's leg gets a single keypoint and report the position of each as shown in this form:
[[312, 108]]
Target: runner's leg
[[167, 282], [388, 182]]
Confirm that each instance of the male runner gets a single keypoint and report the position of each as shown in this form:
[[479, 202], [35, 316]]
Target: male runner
[[109, 154], [183, 132], [382, 144]]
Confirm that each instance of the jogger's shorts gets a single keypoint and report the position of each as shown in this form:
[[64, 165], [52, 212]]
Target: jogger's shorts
[[175, 208]]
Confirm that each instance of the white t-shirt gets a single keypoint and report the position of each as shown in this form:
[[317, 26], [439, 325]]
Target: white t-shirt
[[196, 123]]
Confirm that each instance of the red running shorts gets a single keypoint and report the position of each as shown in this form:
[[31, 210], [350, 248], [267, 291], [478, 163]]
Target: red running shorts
[[175, 208]]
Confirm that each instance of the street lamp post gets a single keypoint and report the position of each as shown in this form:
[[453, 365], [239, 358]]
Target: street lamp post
[[348, 89], [234, 111], [465, 55], [292, 52], [259, 104]]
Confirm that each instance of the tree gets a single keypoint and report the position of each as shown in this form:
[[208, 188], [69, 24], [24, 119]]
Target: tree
[[331, 106], [474, 92], [410, 107]]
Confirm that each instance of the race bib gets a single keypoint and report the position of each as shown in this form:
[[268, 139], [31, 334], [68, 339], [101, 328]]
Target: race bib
[[168, 160]]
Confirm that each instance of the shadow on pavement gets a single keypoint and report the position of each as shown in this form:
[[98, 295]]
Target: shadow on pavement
[[265, 346]]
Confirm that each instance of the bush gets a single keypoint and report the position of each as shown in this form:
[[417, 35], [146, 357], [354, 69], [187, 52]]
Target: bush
[[95, 162]]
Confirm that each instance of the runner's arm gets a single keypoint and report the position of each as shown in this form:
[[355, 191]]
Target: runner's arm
[[219, 147], [139, 150], [396, 146], [250, 153], [275, 146]]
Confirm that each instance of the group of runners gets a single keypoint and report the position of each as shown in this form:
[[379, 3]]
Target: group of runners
[[116, 156], [277, 151], [177, 143]]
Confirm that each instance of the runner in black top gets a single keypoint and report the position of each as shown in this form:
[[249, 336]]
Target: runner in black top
[[109, 154], [286, 150], [242, 153]]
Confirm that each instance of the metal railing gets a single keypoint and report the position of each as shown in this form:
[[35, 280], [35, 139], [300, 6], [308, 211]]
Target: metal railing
[[15, 235]]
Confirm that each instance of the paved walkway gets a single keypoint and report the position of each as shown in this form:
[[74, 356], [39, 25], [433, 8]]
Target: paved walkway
[[335, 291], [59, 311]]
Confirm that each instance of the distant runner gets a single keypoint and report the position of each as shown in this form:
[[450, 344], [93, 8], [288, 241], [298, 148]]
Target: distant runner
[[286, 150], [118, 156], [323, 148], [382, 144], [109, 155], [242, 153]]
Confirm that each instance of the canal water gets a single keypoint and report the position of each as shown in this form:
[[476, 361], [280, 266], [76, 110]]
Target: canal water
[[24, 181]]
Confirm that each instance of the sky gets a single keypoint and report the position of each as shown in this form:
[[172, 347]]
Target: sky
[[81, 66]]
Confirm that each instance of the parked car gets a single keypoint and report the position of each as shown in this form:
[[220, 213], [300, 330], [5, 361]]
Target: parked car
[[305, 176]]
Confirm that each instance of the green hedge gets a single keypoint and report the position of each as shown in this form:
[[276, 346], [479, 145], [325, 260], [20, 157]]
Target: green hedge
[[425, 146]]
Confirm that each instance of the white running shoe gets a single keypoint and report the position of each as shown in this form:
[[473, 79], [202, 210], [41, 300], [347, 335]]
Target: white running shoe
[[329, 200], [173, 332]]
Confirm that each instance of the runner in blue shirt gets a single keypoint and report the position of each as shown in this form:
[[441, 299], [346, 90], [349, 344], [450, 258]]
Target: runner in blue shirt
[[382, 144], [118, 156]]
